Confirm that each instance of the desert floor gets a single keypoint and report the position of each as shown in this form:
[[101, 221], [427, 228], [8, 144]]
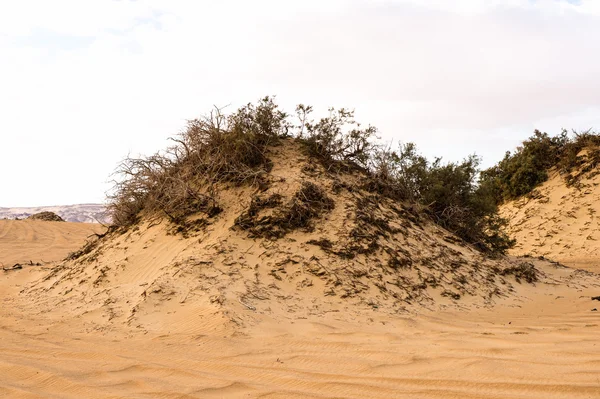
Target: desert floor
[[541, 343], [37, 241]]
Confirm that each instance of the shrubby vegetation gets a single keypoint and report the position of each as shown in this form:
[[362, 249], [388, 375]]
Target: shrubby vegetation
[[233, 149], [181, 181], [527, 167], [337, 140], [449, 192]]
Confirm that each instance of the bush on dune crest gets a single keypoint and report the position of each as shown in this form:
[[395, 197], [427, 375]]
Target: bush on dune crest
[[520, 172], [449, 192], [234, 149], [217, 148]]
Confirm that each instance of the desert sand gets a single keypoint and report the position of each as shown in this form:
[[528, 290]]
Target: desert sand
[[559, 222], [373, 301], [541, 343], [25, 241]]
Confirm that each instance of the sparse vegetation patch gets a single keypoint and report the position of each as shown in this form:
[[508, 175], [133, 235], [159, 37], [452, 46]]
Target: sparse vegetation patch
[[523, 271], [212, 151], [308, 203]]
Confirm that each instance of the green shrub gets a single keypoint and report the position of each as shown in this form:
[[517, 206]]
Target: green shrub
[[461, 205], [520, 172], [337, 140], [399, 174], [450, 193]]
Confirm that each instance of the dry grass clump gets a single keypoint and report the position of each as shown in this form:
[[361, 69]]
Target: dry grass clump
[[370, 224], [376, 224], [307, 204], [253, 221], [92, 243], [46, 216]]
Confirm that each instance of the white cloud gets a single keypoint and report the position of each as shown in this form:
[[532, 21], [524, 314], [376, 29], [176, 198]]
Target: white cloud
[[116, 76]]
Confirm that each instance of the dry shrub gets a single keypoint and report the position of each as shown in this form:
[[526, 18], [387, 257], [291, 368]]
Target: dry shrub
[[91, 244], [213, 150], [524, 270], [338, 141]]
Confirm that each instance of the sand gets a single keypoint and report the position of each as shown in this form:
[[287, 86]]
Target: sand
[[559, 222], [535, 345], [539, 342], [373, 301], [24, 241]]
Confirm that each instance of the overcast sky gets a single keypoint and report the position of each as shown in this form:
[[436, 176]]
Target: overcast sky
[[84, 83]]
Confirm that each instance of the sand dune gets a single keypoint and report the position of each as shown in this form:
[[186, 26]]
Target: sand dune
[[559, 222], [371, 300], [365, 253]]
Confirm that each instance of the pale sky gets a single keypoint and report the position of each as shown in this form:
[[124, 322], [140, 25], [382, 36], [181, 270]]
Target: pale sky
[[85, 82]]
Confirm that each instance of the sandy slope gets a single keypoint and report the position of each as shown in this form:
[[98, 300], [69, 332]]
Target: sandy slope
[[540, 343], [39, 241], [559, 222]]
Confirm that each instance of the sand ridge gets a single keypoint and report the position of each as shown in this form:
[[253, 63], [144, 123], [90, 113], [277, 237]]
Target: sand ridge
[[559, 222]]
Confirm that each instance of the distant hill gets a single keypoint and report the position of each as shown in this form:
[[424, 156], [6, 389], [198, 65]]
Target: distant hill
[[82, 213]]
